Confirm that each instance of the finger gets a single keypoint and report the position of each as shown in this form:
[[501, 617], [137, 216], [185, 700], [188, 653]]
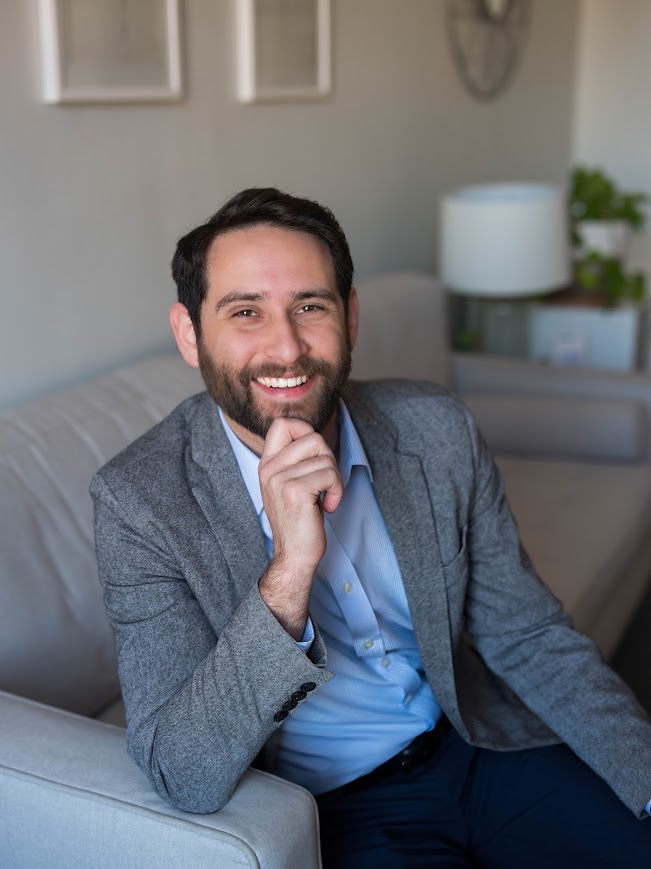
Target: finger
[[318, 475], [309, 446], [314, 475], [282, 432], [332, 496], [305, 446]]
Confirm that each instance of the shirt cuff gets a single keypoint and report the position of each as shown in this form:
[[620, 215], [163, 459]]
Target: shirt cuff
[[308, 638], [648, 808]]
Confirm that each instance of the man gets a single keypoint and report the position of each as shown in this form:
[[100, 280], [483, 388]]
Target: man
[[340, 584]]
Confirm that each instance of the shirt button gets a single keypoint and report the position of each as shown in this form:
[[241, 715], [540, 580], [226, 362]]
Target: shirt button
[[385, 662], [348, 587], [369, 644], [409, 698]]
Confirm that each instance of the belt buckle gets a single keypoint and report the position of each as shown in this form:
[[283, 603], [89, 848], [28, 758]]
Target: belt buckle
[[418, 752]]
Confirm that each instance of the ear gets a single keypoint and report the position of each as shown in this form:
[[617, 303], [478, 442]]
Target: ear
[[353, 316], [186, 340]]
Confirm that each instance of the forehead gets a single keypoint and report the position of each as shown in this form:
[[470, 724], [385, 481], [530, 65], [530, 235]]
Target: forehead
[[266, 257]]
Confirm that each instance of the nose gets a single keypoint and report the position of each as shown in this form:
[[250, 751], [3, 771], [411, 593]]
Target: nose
[[284, 340]]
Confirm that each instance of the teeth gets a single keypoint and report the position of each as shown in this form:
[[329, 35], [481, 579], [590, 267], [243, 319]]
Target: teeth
[[283, 382]]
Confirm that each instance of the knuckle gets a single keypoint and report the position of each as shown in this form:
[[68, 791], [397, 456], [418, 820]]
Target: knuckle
[[293, 490]]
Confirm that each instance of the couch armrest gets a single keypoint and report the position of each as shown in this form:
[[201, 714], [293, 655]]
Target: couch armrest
[[625, 399], [70, 796]]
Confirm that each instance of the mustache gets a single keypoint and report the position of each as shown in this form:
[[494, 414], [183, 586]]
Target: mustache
[[309, 367]]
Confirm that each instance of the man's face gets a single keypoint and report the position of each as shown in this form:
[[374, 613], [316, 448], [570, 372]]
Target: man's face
[[274, 341]]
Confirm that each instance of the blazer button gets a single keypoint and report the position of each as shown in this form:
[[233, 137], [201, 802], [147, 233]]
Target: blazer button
[[289, 704], [308, 686], [299, 695], [281, 715]]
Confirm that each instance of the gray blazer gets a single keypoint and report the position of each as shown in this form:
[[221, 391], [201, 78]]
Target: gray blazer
[[205, 667]]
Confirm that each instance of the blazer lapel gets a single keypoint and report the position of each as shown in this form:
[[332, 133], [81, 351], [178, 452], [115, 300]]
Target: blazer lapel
[[404, 500], [219, 490]]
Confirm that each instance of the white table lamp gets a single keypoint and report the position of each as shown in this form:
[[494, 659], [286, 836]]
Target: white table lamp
[[500, 242], [504, 240]]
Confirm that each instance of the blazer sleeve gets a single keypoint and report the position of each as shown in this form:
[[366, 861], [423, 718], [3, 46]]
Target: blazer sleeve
[[524, 636], [200, 707]]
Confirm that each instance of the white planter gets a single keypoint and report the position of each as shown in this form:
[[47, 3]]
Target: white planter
[[607, 237], [591, 337]]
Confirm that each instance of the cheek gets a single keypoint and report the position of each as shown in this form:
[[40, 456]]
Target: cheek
[[232, 351], [328, 341]]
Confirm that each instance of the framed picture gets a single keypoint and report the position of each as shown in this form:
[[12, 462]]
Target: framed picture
[[115, 51], [283, 49]]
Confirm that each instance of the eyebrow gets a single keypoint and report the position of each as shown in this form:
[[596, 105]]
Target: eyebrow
[[234, 298], [303, 295]]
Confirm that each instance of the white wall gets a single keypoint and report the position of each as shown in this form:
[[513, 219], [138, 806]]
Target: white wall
[[92, 199], [612, 121]]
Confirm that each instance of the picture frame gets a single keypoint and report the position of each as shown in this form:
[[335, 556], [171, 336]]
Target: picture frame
[[110, 51], [283, 49]]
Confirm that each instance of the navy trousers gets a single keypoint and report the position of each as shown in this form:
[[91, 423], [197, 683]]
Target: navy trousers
[[468, 806]]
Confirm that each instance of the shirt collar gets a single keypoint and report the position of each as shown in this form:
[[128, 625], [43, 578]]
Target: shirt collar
[[351, 453]]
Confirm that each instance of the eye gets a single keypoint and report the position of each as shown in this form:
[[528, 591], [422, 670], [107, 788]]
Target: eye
[[244, 314], [310, 308]]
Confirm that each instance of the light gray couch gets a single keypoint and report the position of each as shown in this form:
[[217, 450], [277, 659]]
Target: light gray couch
[[69, 795]]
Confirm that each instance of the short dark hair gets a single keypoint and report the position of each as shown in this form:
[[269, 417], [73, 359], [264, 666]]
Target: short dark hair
[[251, 207]]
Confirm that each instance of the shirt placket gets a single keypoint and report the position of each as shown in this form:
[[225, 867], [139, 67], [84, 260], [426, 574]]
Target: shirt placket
[[337, 571]]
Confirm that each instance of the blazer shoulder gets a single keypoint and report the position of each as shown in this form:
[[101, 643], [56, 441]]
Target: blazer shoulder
[[157, 451], [418, 417], [403, 400]]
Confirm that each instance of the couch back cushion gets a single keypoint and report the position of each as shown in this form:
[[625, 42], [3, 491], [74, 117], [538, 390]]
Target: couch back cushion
[[55, 642], [403, 328]]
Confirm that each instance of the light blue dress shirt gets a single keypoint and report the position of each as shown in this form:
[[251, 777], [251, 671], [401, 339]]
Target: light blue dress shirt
[[379, 699]]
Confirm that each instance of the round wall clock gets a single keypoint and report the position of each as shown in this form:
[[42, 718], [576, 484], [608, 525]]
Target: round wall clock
[[487, 38]]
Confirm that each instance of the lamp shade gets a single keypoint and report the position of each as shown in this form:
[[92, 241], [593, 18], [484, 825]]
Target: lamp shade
[[504, 240]]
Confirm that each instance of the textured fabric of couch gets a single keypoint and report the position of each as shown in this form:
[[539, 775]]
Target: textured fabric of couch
[[69, 794], [71, 798]]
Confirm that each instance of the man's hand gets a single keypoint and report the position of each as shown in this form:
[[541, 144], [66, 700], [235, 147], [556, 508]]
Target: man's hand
[[296, 467]]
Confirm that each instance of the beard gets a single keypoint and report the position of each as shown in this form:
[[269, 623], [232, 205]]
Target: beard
[[234, 392]]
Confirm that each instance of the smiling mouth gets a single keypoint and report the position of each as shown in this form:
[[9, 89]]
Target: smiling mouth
[[283, 382]]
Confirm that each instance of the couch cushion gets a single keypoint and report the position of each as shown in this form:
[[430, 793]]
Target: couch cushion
[[114, 714], [403, 328], [55, 642], [583, 525]]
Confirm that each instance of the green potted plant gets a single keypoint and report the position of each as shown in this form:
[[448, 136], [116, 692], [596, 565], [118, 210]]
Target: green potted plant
[[602, 218], [595, 196], [598, 317], [604, 279]]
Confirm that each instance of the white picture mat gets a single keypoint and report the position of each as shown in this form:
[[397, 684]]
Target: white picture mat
[[110, 50], [283, 49]]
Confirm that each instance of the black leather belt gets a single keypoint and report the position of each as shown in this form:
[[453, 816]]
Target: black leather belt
[[415, 754]]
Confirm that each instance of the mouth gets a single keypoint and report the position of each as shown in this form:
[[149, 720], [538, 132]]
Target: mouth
[[282, 382]]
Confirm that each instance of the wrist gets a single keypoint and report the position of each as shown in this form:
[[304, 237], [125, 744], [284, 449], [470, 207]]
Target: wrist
[[285, 589]]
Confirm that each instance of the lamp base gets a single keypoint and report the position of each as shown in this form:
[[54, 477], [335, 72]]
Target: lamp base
[[493, 326]]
